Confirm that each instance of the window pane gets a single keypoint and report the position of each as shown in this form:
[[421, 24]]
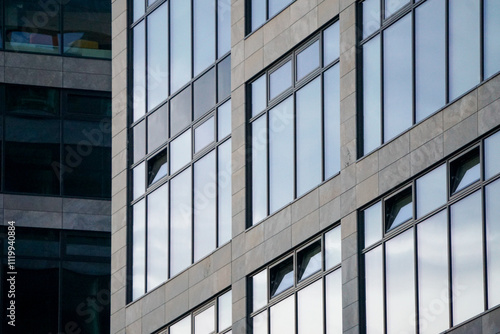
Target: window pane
[[224, 186], [372, 122], [374, 291], [491, 40], [430, 58], [467, 258], [371, 17], [307, 60], [259, 290], [331, 43], [258, 13], [493, 242], [465, 170], [224, 120], [157, 237], [180, 43], [139, 8], [224, 27], [33, 100], [309, 261], [180, 151], [433, 273], [280, 80], [281, 277], [157, 56], [373, 223], [204, 206], [334, 302], [139, 249], [139, 70], [180, 222], [283, 316], [182, 327], [139, 141], [157, 167], [309, 137], [398, 209], [204, 94], [81, 103], [275, 6], [492, 156], [392, 6], [431, 191], [397, 78], [180, 111], [259, 323], [259, 169], [225, 303], [204, 323], [310, 309], [258, 95], [204, 134], [281, 154], [157, 128], [203, 34], [464, 46], [400, 280], [332, 248], [139, 175], [331, 98], [224, 79]]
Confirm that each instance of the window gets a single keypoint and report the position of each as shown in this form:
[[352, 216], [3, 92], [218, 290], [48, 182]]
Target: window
[[294, 120], [260, 11], [404, 83], [408, 268], [308, 282]]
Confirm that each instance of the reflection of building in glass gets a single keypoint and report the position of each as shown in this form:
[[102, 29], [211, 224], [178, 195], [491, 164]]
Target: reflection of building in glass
[[332, 164]]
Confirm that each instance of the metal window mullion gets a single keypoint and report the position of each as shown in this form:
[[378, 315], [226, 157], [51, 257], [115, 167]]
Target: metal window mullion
[[216, 177], [447, 51], [481, 41], [381, 49], [416, 288], [384, 283], [295, 143], [323, 121], [450, 276], [484, 246], [414, 63]]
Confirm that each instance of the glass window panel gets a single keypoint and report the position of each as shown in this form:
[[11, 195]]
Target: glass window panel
[[493, 242], [224, 188], [331, 43], [225, 303], [333, 299], [33, 100], [139, 180], [224, 79], [180, 151], [309, 136], [374, 285], [371, 16], [281, 277], [204, 323], [180, 222], [432, 240], [332, 248], [139, 249], [281, 156], [372, 218], [372, 122], [139, 70], [203, 34], [259, 169], [259, 12], [157, 167], [307, 60], [182, 327], [400, 283], [331, 98], [45, 243], [398, 209], [431, 191], [430, 58], [465, 170], [180, 43], [392, 6], [280, 80], [224, 120], [467, 258], [491, 40], [204, 134], [223, 27], [259, 323], [180, 111], [492, 156], [157, 56], [259, 95], [204, 206], [139, 141], [157, 128], [275, 6], [397, 78], [310, 309], [464, 47], [309, 261], [82, 103], [204, 94], [157, 237], [259, 290], [283, 316], [139, 8]]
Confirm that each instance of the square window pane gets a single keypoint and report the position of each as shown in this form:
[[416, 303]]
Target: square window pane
[[180, 151], [332, 248], [204, 134], [492, 155], [307, 60], [309, 261], [465, 171], [398, 209], [431, 191], [157, 167], [281, 277], [280, 80], [372, 218], [259, 290]]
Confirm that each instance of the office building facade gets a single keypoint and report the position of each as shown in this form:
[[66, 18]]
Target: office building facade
[[305, 166]]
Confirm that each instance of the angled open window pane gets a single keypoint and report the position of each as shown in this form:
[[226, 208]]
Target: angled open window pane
[[307, 60], [280, 80], [398, 209], [281, 277], [157, 167], [431, 191], [465, 171], [309, 261]]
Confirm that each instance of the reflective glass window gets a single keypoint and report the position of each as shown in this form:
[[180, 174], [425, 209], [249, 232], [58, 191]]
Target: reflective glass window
[[204, 94], [225, 307], [492, 195], [180, 45], [157, 128], [180, 151], [281, 277], [180, 111], [139, 137], [331, 45], [224, 120], [223, 27], [492, 155], [259, 290], [204, 322], [331, 98], [204, 134], [259, 13], [280, 80], [139, 70], [283, 316], [203, 34], [33, 100], [259, 323], [224, 192], [465, 170], [431, 191], [392, 6], [310, 309], [374, 287], [138, 9], [157, 167], [224, 79], [182, 327], [259, 95], [275, 6], [491, 40], [372, 218], [139, 176], [139, 249], [333, 302], [332, 248], [308, 60], [259, 169], [371, 16]]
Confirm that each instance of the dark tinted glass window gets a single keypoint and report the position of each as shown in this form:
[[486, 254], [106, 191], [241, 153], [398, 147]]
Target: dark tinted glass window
[[93, 246], [398, 209], [281, 277], [89, 105], [180, 111], [32, 100], [157, 167], [36, 243], [309, 261]]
